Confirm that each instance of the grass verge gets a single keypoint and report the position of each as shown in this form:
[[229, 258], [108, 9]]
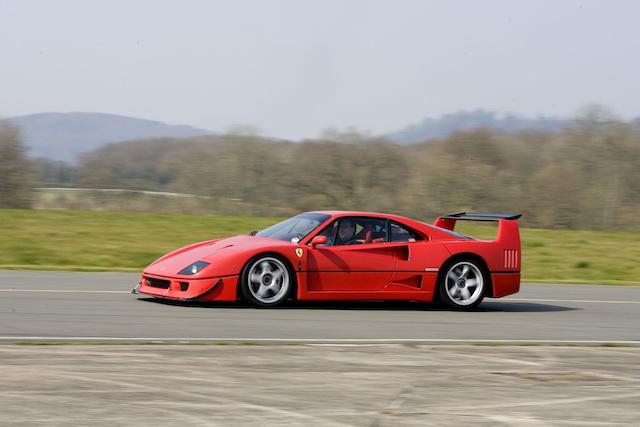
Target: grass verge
[[105, 241]]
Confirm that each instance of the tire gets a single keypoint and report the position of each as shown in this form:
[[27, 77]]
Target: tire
[[267, 281], [463, 285]]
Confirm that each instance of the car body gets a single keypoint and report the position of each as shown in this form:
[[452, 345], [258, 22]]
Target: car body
[[388, 257]]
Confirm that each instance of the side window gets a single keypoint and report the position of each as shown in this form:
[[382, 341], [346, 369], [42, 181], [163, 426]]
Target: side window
[[356, 231], [329, 232], [401, 234]]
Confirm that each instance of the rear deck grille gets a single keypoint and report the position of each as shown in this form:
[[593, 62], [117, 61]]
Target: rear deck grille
[[158, 283], [511, 258]]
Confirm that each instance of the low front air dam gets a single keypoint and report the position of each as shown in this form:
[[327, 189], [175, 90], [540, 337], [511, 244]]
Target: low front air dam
[[209, 289], [505, 284]]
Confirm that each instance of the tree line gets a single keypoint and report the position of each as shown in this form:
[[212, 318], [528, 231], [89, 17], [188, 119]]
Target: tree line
[[585, 176]]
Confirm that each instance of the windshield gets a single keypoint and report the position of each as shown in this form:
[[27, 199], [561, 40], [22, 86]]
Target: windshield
[[297, 227]]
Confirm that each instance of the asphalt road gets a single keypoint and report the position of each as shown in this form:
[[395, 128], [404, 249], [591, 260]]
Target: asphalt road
[[318, 385], [36, 306]]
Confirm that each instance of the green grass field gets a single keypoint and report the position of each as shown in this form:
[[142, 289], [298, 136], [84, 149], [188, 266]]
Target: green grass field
[[99, 241], [120, 241]]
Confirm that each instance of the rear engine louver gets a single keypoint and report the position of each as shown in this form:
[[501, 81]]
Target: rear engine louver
[[511, 258]]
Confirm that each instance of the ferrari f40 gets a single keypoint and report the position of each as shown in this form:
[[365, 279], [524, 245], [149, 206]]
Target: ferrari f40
[[337, 255]]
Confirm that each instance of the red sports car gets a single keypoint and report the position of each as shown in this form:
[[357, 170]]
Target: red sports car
[[335, 255]]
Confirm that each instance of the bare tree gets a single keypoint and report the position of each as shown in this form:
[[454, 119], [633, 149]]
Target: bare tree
[[16, 179], [587, 176]]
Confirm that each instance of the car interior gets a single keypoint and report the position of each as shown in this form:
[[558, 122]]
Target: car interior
[[353, 231]]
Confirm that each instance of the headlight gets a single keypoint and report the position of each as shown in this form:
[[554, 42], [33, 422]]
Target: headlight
[[193, 268]]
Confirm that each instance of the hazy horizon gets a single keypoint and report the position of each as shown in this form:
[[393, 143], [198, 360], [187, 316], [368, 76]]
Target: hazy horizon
[[294, 69]]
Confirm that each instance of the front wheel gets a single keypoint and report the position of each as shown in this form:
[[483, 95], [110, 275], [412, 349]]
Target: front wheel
[[463, 285], [266, 281]]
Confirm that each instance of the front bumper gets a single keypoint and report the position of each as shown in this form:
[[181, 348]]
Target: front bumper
[[209, 289]]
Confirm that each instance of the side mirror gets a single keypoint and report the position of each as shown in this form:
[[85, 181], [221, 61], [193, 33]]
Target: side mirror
[[318, 240]]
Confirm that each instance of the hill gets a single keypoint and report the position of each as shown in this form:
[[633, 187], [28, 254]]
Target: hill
[[447, 124], [64, 136]]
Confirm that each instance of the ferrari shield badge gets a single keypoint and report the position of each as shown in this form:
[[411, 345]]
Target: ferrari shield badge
[[299, 252]]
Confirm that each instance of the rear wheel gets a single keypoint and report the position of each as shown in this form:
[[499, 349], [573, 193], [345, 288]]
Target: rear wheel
[[463, 285], [266, 281]]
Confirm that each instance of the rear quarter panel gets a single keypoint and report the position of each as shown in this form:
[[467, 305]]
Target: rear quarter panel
[[425, 259], [502, 260]]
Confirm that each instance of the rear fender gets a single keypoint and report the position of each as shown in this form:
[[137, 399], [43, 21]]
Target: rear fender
[[501, 257]]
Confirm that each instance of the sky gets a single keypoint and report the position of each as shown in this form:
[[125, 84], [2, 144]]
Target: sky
[[294, 68]]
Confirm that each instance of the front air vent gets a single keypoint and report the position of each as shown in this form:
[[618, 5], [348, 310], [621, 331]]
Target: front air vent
[[184, 286], [158, 283]]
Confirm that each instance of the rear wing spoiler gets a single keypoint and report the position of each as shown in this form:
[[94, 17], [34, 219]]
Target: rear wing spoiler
[[508, 232], [478, 216]]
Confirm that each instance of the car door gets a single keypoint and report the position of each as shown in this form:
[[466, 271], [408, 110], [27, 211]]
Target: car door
[[364, 264], [412, 269]]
